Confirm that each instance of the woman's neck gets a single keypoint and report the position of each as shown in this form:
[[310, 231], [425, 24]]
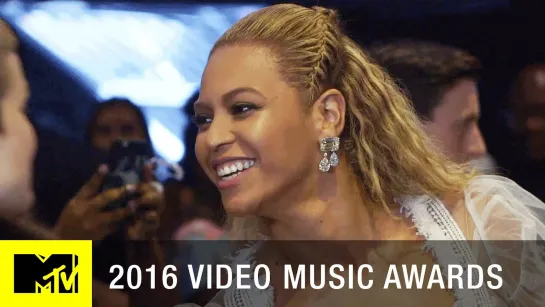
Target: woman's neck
[[335, 210]]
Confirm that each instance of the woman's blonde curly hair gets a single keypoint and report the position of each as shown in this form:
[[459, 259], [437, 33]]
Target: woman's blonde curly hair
[[383, 140]]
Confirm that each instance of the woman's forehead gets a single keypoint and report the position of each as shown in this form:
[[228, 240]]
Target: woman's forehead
[[232, 67]]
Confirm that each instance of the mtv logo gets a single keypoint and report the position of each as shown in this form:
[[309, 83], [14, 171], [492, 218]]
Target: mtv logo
[[56, 273]]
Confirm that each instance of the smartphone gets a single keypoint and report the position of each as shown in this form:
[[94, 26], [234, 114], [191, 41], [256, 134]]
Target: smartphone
[[126, 162]]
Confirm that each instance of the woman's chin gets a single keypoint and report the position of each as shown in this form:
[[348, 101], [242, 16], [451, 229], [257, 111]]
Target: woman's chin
[[240, 208]]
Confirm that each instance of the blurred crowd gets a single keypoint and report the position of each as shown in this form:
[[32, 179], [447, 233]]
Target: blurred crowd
[[442, 82]]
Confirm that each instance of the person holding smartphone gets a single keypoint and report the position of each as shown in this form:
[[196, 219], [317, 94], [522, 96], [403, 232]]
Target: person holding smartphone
[[117, 230], [84, 217]]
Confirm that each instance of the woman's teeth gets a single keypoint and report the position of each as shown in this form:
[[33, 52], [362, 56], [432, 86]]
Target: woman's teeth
[[233, 168]]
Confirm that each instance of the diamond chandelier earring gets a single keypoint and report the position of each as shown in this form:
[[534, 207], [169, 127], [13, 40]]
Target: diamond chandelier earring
[[329, 145]]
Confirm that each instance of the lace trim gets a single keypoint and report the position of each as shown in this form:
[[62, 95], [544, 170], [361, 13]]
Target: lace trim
[[234, 297], [435, 223]]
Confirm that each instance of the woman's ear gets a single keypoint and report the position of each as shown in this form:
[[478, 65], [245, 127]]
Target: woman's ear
[[328, 113]]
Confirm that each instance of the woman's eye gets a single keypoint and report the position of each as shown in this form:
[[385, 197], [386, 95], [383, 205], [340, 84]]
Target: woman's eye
[[201, 120], [242, 108]]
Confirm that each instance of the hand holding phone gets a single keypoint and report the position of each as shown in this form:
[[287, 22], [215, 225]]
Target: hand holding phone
[[147, 207], [84, 217], [127, 162]]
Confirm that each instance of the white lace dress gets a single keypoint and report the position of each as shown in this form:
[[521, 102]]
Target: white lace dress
[[501, 212]]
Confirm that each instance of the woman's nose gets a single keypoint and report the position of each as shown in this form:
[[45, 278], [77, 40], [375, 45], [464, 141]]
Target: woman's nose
[[219, 133]]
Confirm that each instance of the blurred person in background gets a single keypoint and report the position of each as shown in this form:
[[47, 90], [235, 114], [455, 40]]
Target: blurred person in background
[[17, 150], [112, 120], [18, 146], [527, 102], [84, 217], [17, 136], [116, 119], [441, 82]]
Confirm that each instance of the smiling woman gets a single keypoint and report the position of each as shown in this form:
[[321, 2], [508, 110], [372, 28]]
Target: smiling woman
[[270, 95], [309, 139]]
